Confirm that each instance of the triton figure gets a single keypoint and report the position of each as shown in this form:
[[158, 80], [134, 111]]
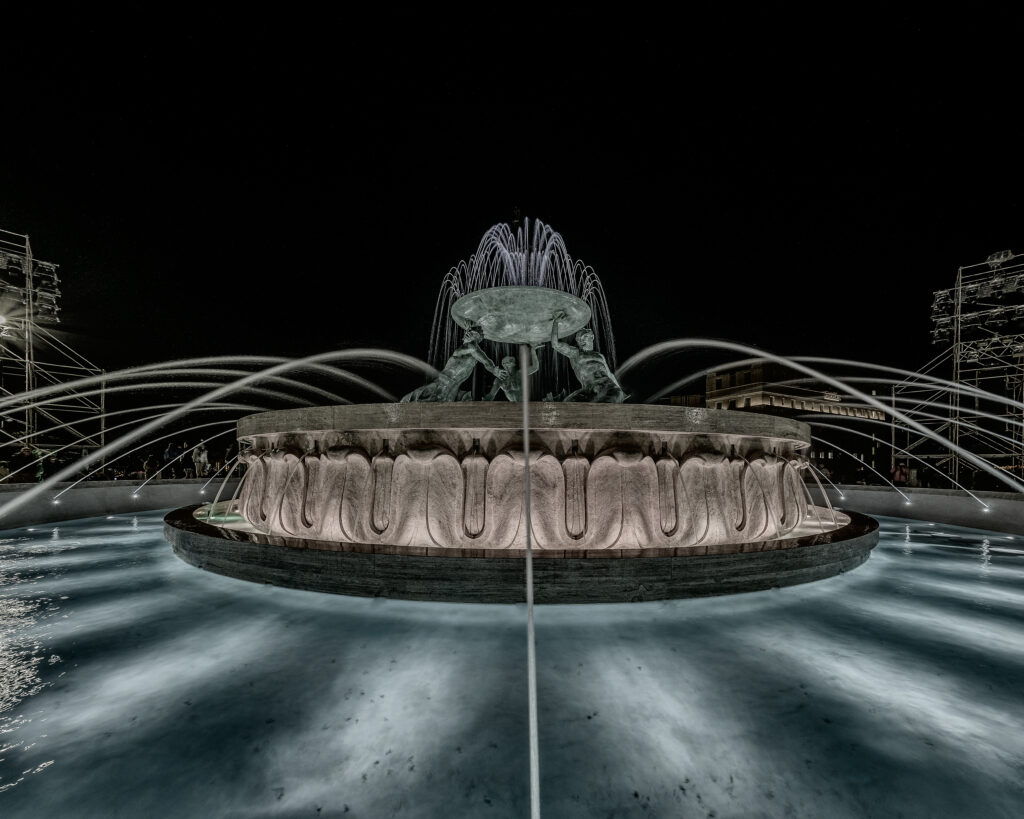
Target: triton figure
[[508, 380], [457, 369], [590, 367]]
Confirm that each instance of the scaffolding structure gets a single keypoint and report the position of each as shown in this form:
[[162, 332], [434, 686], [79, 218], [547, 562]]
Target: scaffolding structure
[[32, 356], [982, 317]]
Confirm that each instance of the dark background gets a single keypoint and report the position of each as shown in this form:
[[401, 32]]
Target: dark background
[[216, 182]]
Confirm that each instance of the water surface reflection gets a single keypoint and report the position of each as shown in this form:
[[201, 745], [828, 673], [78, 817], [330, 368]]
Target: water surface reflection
[[133, 684]]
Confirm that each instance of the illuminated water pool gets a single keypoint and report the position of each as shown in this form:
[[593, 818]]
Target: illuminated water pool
[[132, 684]]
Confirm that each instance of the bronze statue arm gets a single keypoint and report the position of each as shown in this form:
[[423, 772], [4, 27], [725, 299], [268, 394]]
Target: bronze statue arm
[[534, 361], [493, 392], [484, 359], [563, 348]]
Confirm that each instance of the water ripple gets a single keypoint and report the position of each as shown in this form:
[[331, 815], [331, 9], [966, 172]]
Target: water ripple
[[132, 684]]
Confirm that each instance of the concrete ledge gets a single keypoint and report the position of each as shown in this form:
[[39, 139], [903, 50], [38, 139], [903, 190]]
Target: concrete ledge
[[490, 415], [359, 570], [953, 506], [97, 498]]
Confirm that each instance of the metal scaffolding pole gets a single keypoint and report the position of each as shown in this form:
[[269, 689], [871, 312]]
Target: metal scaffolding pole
[[983, 318], [29, 304]]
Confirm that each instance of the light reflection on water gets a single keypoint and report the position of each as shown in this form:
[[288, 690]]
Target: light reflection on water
[[132, 684]]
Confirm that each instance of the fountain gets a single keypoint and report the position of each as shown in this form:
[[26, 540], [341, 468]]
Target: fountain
[[424, 498], [159, 672]]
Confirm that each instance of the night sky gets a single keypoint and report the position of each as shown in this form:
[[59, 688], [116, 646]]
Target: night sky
[[220, 183]]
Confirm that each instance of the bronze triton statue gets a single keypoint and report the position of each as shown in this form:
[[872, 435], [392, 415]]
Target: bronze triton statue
[[458, 368], [507, 378], [590, 367]]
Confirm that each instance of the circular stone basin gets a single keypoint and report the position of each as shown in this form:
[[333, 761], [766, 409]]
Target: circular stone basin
[[426, 501], [481, 576], [602, 476], [520, 315]]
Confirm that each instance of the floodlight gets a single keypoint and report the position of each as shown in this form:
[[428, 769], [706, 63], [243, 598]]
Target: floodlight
[[996, 259]]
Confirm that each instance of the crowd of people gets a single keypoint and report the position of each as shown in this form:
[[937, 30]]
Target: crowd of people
[[27, 464]]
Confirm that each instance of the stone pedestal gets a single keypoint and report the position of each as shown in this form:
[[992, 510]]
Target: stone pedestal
[[603, 476]]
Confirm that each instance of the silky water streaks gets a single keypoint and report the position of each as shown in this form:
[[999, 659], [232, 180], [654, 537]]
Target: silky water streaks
[[224, 383], [890, 690], [907, 420]]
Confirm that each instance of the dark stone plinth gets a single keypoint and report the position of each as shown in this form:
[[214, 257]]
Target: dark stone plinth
[[488, 576]]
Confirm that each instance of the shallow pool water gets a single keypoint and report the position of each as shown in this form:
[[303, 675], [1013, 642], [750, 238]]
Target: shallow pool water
[[133, 684]]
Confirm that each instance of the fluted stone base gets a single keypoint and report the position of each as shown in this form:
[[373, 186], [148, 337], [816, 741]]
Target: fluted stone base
[[602, 476], [426, 502]]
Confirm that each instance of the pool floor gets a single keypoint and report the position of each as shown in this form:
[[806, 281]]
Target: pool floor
[[135, 685]]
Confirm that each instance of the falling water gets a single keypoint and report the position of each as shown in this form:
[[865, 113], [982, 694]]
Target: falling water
[[666, 348], [244, 383], [531, 255]]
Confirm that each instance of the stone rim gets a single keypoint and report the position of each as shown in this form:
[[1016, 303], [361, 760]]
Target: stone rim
[[607, 578], [543, 415]]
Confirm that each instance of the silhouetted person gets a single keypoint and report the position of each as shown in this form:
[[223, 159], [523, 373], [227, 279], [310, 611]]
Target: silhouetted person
[[185, 462], [200, 460], [900, 474], [23, 466], [51, 466], [171, 463]]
